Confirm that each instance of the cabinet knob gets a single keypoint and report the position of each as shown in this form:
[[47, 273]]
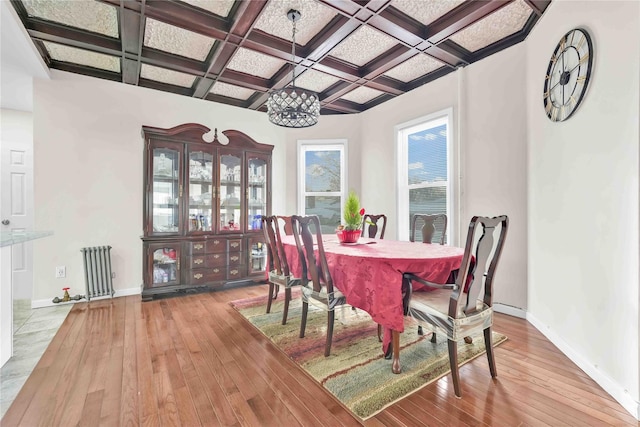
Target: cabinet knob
[[198, 261], [233, 272], [5, 222], [215, 270], [235, 258], [197, 276], [198, 246], [215, 242], [235, 245], [216, 256]]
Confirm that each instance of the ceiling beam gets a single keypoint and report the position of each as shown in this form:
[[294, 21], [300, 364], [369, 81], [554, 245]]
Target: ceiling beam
[[131, 30]]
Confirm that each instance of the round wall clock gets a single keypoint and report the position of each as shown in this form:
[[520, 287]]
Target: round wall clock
[[568, 75]]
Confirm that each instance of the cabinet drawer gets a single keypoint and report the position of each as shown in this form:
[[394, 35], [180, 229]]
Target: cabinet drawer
[[235, 258], [208, 261], [205, 275], [235, 245], [194, 248], [216, 260], [216, 245], [236, 272]]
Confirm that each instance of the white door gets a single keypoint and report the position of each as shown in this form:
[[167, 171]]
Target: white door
[[16, 212]]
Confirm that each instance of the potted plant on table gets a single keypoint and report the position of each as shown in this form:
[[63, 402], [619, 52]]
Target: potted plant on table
[[350, 231]]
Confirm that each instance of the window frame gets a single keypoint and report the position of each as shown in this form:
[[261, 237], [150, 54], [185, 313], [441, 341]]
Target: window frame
[[402, 131], [305, 145]]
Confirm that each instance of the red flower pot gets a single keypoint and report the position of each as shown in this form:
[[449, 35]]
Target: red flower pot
[[348, 236]]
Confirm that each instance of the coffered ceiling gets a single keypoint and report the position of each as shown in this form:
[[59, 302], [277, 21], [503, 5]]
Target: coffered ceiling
[[355, 53]]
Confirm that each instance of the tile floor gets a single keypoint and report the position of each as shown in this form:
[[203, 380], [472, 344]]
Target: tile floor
[[33, 330]]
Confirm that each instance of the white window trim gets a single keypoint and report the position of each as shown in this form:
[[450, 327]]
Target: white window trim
[[328, 144], [401, 131]]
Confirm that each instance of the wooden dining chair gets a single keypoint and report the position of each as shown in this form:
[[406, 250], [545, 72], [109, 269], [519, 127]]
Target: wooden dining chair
[[429, 227], [279, 273], [457, 309], [370, 226], [317, 285]]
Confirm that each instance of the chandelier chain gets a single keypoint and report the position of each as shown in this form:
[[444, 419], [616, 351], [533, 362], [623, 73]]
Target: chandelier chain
[[293, 55]]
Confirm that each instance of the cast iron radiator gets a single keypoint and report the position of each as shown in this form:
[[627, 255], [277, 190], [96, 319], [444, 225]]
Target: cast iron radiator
[[97, 271]]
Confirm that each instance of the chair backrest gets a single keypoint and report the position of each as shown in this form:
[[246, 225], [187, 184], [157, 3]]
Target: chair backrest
[[277, 258], [370, 226], [430, 225], [314, 270], [485, 241], [286, 224]]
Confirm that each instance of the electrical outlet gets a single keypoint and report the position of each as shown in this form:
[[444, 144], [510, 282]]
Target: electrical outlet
[[61, 272]]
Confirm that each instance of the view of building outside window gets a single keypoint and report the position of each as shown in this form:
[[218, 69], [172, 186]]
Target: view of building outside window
[[324, 184]]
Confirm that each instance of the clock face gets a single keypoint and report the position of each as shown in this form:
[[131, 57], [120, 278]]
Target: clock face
[[568, 75]]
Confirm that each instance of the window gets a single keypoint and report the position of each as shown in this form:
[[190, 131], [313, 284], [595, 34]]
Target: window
[[321, 178], [425, 171]]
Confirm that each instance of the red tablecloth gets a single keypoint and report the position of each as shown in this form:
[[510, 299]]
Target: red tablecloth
[[370, 274]]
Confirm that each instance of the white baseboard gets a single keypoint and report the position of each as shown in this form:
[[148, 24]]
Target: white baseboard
[[509, 310], [118, 293], [607, 383]]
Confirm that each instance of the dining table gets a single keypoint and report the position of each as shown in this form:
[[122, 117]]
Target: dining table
[[369, 273]]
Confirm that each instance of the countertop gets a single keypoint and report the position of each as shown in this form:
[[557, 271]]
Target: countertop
[[13, 238]]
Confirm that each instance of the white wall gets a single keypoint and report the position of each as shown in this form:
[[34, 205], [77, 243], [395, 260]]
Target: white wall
[[583, 198], [88, 153], [19, 61], [494, 157]]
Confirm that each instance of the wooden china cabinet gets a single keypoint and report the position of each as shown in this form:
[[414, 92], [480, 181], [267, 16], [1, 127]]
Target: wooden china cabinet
[[202, 207]]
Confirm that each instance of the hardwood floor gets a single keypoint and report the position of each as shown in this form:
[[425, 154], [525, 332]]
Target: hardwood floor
[[192, 360]]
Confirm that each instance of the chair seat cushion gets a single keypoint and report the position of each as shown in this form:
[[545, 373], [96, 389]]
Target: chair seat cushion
[[432, 308], [282, 280], [322, 299]]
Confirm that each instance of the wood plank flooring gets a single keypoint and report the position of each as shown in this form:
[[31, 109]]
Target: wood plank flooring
[[193, 361]]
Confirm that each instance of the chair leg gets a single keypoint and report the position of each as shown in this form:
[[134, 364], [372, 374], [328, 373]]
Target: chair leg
[[420, 331], [287, 298], [488, 343], [330, 319], [303, 321], [453, 361], [271, 286], [433, 337], [379, 332]]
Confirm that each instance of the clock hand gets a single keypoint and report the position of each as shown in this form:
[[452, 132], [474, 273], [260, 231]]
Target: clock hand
[[574, 68], [554, 86]]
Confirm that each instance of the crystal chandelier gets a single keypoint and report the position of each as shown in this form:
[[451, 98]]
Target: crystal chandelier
[[293, 107]]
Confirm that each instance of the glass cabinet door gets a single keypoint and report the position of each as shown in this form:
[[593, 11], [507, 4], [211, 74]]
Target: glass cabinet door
[[257, 255], [200, 192], [165, 212], [230, 192], [165, 262], [257, 190]]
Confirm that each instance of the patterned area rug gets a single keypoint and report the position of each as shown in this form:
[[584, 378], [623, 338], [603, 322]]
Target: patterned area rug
[[356, 372]]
